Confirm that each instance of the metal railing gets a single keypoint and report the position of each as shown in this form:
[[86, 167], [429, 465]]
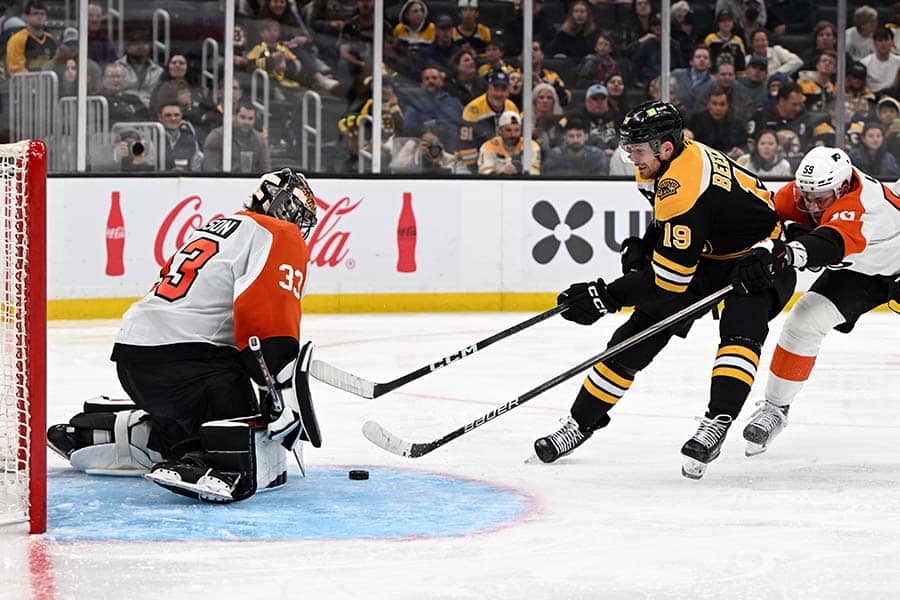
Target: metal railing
[[258, 79], [115, 24], [363, 155], [314, 100], [62, 151], [32, 103], [209, 75], [161, 16]]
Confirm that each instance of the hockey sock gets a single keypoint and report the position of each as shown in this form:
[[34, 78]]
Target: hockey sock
[[605, 384], [732, 376]]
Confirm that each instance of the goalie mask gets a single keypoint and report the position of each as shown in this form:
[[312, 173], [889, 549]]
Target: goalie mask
[[286, 195]]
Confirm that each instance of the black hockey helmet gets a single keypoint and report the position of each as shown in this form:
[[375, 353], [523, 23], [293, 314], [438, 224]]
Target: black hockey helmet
[[653, 122], [286, 195]]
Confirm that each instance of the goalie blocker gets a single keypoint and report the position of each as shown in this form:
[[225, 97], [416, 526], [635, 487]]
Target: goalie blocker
[[236, 457]]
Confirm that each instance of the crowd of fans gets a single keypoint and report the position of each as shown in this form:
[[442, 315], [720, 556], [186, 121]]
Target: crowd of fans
[[753, 78]]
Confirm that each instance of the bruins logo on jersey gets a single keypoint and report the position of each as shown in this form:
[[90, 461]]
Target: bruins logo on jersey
[[666, 188]]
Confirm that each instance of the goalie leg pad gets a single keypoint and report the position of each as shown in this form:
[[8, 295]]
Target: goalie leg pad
[[238, 459], [298, 420], [106, 443]]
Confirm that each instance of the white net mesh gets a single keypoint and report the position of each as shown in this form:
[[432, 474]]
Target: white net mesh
[[14, 400]]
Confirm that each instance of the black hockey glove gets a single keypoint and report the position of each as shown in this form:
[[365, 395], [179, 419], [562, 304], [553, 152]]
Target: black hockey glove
[[793, 230], [756, 270], [587, 302], [633, 255]]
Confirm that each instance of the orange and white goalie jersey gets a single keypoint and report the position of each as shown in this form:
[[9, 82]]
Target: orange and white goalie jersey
[[867, 219], [238, 276]]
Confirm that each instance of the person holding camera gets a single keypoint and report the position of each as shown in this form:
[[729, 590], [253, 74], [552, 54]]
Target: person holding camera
[[502, 154], [132, 152], [427, 154]]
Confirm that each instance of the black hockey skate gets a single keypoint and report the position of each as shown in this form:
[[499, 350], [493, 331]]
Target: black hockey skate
[[193, 479], [564, 440], [64, 440], [766, 423], [704, 446]]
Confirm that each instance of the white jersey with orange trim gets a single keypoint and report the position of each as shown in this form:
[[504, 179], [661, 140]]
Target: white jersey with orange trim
[[867, 219], [236, 277]]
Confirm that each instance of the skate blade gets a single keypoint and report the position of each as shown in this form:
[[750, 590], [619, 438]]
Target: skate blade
[[753, 449], [692, 468], [534, 460]]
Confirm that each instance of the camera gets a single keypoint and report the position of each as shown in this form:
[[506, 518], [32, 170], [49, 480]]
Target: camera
[[136, 148], [435, 149]]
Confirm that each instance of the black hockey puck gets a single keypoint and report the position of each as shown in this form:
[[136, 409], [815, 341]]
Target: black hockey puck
[[358, 474]]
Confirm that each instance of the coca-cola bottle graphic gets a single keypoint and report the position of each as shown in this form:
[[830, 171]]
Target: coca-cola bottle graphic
[[406, 236], [115, 239]]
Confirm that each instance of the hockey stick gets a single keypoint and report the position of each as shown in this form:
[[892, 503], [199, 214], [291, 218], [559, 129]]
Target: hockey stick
[[386, 440], [348, 382], [274, 394]]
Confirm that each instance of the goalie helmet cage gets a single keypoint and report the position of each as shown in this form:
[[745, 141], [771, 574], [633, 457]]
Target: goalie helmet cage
[[23, 332]]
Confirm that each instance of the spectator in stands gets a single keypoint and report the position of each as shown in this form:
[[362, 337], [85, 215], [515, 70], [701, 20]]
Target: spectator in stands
[[654, 92], [189, 99], [790, 16], [575, 38], [469, 33], [740, 105], [716, 128], [516, 85], [767, 159], [647, 62], [480, 116], [542, 27], [824, 39], [355, 48], [66, 57], [493, 59], [773, 85], [601, 123], [724, 40], [428, 155], [882, 65], [249, 151], [637, 28], [297, 37], [240, 61], [432, 104], [748, 14], [547, 127], [541, 74], [576, 156], [859, 98], [132, 153], [787, 114], [440, 52], [816, 85], [141, 73], [123, 107], [693, 78], [278, 61], [618, 103], [176, 71], [871, 156], [464, 82], [212, 117], [100, 48], [753, 82], [889, 117], [503, 153], [600, 65], [778, 59], [182, 150], [859, 41], [31, 48], [413, 33], [328, 18], [683, 30]]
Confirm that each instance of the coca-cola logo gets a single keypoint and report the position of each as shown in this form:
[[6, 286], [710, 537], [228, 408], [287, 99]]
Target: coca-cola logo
[[328, 244], [115, 233]]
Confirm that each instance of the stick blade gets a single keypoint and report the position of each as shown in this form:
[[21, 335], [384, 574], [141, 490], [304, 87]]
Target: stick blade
[[341, 379], [385, 440]]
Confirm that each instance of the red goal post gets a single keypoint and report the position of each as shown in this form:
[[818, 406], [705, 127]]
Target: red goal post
[[23, 335]]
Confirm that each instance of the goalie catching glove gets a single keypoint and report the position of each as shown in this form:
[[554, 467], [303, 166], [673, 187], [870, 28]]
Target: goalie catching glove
[[756, 270], [586, 302]]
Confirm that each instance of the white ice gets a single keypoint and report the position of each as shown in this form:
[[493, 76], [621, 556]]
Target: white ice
[[818, 516]]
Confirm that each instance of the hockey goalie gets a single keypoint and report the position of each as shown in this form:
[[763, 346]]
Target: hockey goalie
[[194, 422]]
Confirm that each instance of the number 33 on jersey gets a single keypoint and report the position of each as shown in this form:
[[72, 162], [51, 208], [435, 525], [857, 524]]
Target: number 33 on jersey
[[237, 276]]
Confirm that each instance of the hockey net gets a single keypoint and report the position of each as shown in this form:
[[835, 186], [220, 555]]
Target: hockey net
[[23, 315]]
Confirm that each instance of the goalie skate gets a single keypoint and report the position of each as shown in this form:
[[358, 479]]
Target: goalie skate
[[767, 422], [212, 486], [705, 446]]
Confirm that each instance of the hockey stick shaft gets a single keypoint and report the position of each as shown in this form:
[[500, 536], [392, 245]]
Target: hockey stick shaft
[[379, 436], [348, 382], [274, 394]]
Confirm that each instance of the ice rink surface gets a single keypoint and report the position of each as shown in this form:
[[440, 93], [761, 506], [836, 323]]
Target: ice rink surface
[[818, 516]]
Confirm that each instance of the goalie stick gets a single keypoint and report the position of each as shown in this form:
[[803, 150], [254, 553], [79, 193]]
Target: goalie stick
[[348, 382], [386, 440], [276, 403]]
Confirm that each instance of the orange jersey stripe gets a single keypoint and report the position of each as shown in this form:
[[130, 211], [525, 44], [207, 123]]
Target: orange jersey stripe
[[790, 366]]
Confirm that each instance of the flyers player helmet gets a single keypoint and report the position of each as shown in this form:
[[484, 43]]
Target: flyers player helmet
[[653, 122], [286, 195], [823, 176]]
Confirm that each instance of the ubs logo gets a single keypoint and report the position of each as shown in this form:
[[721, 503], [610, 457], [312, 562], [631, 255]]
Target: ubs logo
[[562, 232]]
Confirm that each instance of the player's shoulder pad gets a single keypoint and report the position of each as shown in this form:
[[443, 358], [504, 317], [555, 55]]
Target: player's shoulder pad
[[682, 183]]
